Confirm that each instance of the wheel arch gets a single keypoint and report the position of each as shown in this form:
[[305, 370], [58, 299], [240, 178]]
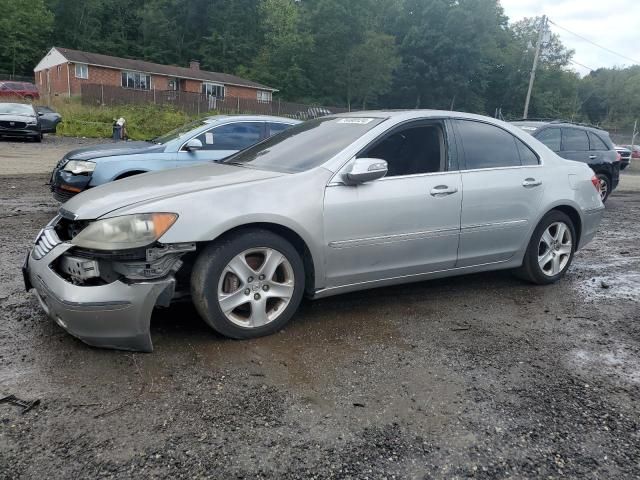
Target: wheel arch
[[575, 217], [292, 237], [129, 173]]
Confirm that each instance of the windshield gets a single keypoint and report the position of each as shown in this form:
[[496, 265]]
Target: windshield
[[306, 145], [16, 109], [179, 132]]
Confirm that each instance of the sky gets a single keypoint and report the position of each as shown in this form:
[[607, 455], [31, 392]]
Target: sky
[[614, 24]]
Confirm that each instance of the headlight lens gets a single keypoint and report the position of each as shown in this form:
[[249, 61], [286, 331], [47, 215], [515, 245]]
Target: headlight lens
[[78, 167], [128, 231], [33, 121]]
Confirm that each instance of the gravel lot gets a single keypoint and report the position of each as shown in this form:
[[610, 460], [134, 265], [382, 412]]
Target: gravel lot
[[480, 376]]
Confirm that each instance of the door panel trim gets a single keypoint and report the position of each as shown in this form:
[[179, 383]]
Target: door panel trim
[[492, 226], [401, 237]]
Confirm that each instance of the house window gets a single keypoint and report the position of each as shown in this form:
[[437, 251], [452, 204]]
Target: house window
[[82, 70], [58, 70], [213, 90], [136, 80], [264, 96]]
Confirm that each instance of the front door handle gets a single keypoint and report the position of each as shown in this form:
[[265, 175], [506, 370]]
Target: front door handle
[[531, 182], [442, 191], [592, 157]]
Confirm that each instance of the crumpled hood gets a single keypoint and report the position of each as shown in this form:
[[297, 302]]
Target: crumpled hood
[[99, 201], [115, 148]]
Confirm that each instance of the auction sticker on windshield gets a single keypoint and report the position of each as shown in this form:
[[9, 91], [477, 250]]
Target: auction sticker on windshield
[[359, 121]]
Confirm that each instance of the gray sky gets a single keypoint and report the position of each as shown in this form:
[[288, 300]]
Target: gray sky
[[614, 24]]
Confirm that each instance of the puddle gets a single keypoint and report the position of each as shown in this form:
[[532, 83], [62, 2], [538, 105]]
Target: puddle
[[612, 363], [615, 286]]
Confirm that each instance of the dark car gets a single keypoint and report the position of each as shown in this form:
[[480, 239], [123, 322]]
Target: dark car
[[25, 90], [19, 120], [49, 119], [582, 143]]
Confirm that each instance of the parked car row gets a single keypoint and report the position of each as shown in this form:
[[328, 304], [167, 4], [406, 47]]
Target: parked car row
[[332, 205]]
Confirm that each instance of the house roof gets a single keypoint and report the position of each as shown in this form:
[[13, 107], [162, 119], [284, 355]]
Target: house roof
[[98, 59]]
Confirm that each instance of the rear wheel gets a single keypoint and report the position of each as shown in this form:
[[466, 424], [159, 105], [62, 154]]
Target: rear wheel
[[551, 249], [249, 284], [605, 186]]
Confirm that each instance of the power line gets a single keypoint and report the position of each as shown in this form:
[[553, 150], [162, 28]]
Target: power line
[[581, 65], [594, 43]]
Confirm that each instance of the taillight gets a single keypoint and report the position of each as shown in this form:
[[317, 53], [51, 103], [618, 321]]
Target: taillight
[[596, 183]]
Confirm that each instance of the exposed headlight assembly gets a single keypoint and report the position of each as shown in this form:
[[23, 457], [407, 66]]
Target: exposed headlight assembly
[[127, 231], [78, 167]]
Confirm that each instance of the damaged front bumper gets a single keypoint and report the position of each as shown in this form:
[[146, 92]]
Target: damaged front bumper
[[115, 314]]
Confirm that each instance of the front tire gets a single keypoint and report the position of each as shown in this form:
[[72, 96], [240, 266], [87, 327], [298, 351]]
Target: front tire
[[248, 284], [550, 250]]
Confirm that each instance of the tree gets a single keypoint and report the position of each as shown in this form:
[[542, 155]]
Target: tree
[[282, 59], [24, 28], [369, 68]]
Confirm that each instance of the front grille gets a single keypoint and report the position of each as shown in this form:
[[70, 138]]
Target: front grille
[[46, 242], [11, 124]]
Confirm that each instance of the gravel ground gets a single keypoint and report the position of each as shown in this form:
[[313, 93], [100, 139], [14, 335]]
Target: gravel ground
[[480, 376]]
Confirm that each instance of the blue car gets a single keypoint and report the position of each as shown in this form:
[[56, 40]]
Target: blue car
[[206, 140]]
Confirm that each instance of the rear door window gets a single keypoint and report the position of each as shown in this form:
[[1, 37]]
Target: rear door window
[[487, 146], [574, 140], [551, 137]]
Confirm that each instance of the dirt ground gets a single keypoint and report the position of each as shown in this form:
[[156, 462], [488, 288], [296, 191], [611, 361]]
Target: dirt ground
[[480, 376]]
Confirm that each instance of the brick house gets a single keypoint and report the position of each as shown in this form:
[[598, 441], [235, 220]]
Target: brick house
[[62, 71]]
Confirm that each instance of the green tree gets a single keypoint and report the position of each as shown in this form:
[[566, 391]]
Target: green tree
[[281, 61], [25, 26]]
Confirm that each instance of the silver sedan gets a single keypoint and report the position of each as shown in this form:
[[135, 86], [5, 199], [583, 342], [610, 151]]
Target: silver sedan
[[333, 205]]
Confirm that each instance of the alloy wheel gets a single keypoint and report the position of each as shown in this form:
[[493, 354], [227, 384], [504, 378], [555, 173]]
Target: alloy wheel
[[255, 287], [554, 249], [604, 188]]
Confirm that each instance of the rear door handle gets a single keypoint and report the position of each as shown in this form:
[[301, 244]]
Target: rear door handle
[[443, 191], [531, 182]]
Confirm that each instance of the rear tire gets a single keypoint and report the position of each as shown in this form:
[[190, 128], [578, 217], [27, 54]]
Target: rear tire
[[605, 186], [550, 250], [248, 284]]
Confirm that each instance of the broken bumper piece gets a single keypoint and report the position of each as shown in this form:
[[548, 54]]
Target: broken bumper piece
[[115, 315]]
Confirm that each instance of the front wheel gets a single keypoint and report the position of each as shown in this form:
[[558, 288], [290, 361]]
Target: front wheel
[[550, 250], [248, 284]]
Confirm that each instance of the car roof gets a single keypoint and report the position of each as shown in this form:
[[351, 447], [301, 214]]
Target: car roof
[[532, 125], [249, 118]]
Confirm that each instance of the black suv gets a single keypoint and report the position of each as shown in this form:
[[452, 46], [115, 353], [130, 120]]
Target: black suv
[[583, 143]]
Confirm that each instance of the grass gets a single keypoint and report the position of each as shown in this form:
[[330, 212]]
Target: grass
[[143, 121]]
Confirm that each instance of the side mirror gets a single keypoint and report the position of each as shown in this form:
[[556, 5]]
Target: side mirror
[[193, 145], [366, 170]]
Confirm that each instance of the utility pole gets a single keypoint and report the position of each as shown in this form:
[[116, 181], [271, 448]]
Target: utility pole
[[543, 28]]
